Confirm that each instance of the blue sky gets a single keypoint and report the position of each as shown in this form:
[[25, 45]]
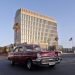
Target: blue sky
[[62, 10]]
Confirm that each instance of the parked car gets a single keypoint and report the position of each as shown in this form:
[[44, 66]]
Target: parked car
[[32, 54]]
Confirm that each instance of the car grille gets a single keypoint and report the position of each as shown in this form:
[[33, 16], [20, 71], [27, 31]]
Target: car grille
[[48, 60]]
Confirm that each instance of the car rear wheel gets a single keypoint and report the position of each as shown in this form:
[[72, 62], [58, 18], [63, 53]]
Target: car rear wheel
[[29, 64], [12, 63], [51, 65]]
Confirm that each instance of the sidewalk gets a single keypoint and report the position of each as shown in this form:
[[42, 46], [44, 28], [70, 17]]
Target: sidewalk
[[3, 56], [68, 53]]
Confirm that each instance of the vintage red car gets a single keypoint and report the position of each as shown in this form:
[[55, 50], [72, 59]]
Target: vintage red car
[[32, 54]]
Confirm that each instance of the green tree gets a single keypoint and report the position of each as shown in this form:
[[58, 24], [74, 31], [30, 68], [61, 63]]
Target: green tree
[[52, 48]]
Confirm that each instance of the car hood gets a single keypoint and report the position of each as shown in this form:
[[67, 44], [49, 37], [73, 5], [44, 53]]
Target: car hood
[[47, 53]]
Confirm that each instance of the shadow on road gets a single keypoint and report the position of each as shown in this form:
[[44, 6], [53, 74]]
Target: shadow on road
[[34, 69]]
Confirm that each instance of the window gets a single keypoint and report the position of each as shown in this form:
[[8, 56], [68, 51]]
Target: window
[[29, 47], [44, 21], [46, 30], [37, 48], [45, 39], [41, 38], [46, 34], [42, 34], [48, 26], [30, 18], [15, 50], [51, 35], [20, 49], [40, 20]]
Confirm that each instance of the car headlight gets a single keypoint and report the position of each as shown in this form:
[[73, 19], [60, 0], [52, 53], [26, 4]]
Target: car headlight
[[10, 55], [59, 53]]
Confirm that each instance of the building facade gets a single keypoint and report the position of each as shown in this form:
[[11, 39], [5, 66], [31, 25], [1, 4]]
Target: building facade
[[34, 28]]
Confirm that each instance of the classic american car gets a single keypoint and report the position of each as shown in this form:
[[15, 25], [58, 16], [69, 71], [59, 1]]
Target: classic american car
[[33, 55]]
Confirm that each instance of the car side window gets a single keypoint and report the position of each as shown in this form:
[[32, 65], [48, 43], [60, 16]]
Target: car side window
[[37, 48], [24, 49], [16, 50], [21, 49]]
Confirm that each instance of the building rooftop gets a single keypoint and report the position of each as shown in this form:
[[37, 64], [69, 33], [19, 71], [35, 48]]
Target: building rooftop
[[36, 14]]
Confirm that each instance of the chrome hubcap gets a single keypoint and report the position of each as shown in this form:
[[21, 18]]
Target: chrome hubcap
[[28, 65]]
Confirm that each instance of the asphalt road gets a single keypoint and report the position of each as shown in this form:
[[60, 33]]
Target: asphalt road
[[66, 67]]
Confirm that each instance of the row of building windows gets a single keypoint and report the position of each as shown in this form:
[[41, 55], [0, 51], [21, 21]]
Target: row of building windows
[[31, 18], [35, 29], [28, 38], [39, 26], [35, 19], [36, 37], [38, 41], [34, 32]]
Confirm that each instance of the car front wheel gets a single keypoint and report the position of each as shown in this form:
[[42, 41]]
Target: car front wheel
[[12, 63], [51, 65], [29, 64]]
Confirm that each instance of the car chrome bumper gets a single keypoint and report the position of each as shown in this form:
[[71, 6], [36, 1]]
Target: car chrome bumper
[[46, 61]]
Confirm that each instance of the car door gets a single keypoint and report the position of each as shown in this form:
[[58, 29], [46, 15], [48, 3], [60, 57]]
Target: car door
[[24, 55], [16, 50], [20, 54]]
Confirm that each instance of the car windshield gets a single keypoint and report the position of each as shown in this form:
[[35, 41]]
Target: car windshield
[[32, 47], [37, 49], [29, 47]]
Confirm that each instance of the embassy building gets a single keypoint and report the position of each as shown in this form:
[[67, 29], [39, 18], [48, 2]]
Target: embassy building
[[33, 28]]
